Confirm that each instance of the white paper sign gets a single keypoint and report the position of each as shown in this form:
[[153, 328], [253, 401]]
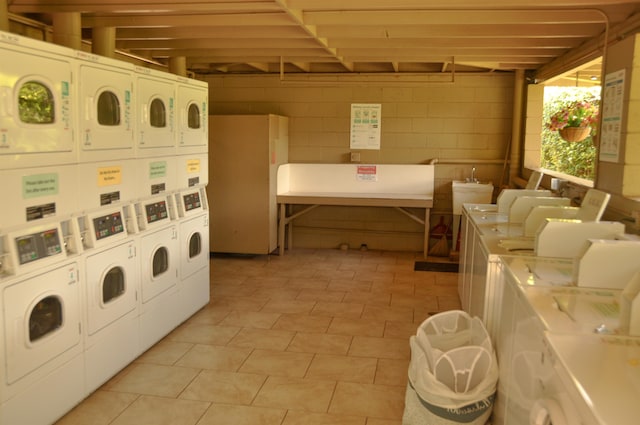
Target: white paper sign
[[611, 110], [365, 126]]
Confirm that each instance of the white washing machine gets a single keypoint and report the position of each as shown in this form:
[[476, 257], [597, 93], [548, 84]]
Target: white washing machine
[[193, 115], [156, 113], [605, 372], [159, 268], [37, 103], [42, 373], [106, 108], [111, 287], [35, 194], [194, 292]]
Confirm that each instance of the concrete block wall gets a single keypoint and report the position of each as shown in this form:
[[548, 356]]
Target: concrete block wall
[[463, 124]]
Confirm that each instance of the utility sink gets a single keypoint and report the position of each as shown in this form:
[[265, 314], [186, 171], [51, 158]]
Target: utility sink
[[470, 192]]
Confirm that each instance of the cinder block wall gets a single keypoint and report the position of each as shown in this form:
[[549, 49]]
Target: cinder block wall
[[467, 121]]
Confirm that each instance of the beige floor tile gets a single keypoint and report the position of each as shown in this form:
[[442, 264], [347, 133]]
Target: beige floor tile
[[355, 327], [302, 323], [289, 306], [448, 303], [321, 295], [392, 372], [320, 343], [203, 334], [377, 421], [414, 301], [158, 380], [309, 283], [399, 329], [332, 309], [296, 394], [221, 414], [252, 303], [406, 288], [215, 357], [267, 339], [295, 417], [250, 319], [348, 285], [277, 363], [209, 315], [396, 314], [278, 294], [382, 348], [377, 401], [165, 352], [371, 298], [162, 411], [224, 387], [342, 368], [100, 408], [374, 276]]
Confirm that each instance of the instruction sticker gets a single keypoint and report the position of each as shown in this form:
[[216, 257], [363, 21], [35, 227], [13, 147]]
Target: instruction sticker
[[367, 173], [108, 176], [38, 185], [193, 166], [158, 169]]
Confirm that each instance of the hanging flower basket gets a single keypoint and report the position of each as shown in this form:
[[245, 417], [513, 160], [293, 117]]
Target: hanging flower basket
[[575, 134]]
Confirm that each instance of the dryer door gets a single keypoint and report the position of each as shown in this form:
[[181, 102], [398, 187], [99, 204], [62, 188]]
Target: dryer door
[[159, 254], [41, 320], [194, 237]]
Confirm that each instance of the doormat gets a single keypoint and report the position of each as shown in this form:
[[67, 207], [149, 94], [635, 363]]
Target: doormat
[[426, 266]]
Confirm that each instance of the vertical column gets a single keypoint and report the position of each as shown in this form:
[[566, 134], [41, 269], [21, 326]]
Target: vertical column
[[67, 30], [4, 16], [178, 65], [516, 129], [104, 41]]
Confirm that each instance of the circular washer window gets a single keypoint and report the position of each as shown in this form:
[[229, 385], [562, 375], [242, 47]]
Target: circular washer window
[[193, 116], [36, 104], [158, 114], [113, 285], [195, 245], [160, 261], [108, 109], [45, 317]]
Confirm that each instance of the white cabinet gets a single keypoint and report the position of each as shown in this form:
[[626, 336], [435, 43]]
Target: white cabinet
[[244, 154]]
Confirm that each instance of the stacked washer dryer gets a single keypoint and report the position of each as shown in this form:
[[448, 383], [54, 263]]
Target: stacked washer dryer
[[191, 198], [108, 187], [156, 211], [40, 297]]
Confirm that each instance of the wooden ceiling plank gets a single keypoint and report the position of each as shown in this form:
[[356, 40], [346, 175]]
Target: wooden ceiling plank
[[140, 7], [151, 21]]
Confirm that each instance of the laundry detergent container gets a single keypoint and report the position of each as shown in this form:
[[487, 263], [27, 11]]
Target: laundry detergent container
[[453, 372]]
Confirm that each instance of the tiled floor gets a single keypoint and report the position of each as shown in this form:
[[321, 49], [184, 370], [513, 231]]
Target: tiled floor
[[313, 337]]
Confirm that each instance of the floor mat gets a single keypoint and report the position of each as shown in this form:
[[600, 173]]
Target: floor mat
[[426, 266]]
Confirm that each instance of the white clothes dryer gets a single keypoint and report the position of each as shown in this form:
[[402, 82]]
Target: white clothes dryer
[[37, 103], [156, 113], [193, 115], [40, 323], [106, 107], [194, 290], [111, 286], [159, 263]]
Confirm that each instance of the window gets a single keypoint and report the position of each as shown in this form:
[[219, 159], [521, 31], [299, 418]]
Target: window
[[158, 114], [36, 104], [108, 109], [113, 285], [45, 318], [193, 116]]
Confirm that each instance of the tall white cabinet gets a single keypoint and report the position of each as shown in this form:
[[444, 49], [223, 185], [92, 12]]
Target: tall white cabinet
[[244, 154]]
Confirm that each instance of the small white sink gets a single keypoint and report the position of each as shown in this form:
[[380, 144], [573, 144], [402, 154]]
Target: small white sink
[[470, 193]]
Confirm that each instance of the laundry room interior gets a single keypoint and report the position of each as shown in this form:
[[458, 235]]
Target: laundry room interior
[[289, 212]]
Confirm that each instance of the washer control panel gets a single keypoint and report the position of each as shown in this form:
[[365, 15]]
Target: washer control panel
[[108, 225], [156, 211], [38, 245], [191, 201]]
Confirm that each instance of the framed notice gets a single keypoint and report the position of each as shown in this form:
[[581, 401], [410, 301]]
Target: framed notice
[[365, 125], [611, 109]]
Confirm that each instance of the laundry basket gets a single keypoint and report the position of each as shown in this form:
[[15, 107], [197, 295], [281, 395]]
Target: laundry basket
[[452, 374]]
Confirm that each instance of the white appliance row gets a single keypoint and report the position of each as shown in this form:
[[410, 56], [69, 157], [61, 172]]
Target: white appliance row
[[79, 131], [83, 297]]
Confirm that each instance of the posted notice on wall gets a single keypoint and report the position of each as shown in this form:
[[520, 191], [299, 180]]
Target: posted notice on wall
[[611, 123], [367, 173], [365, 125]]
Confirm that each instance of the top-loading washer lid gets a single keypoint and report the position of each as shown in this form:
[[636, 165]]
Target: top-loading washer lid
[[547, 412]]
